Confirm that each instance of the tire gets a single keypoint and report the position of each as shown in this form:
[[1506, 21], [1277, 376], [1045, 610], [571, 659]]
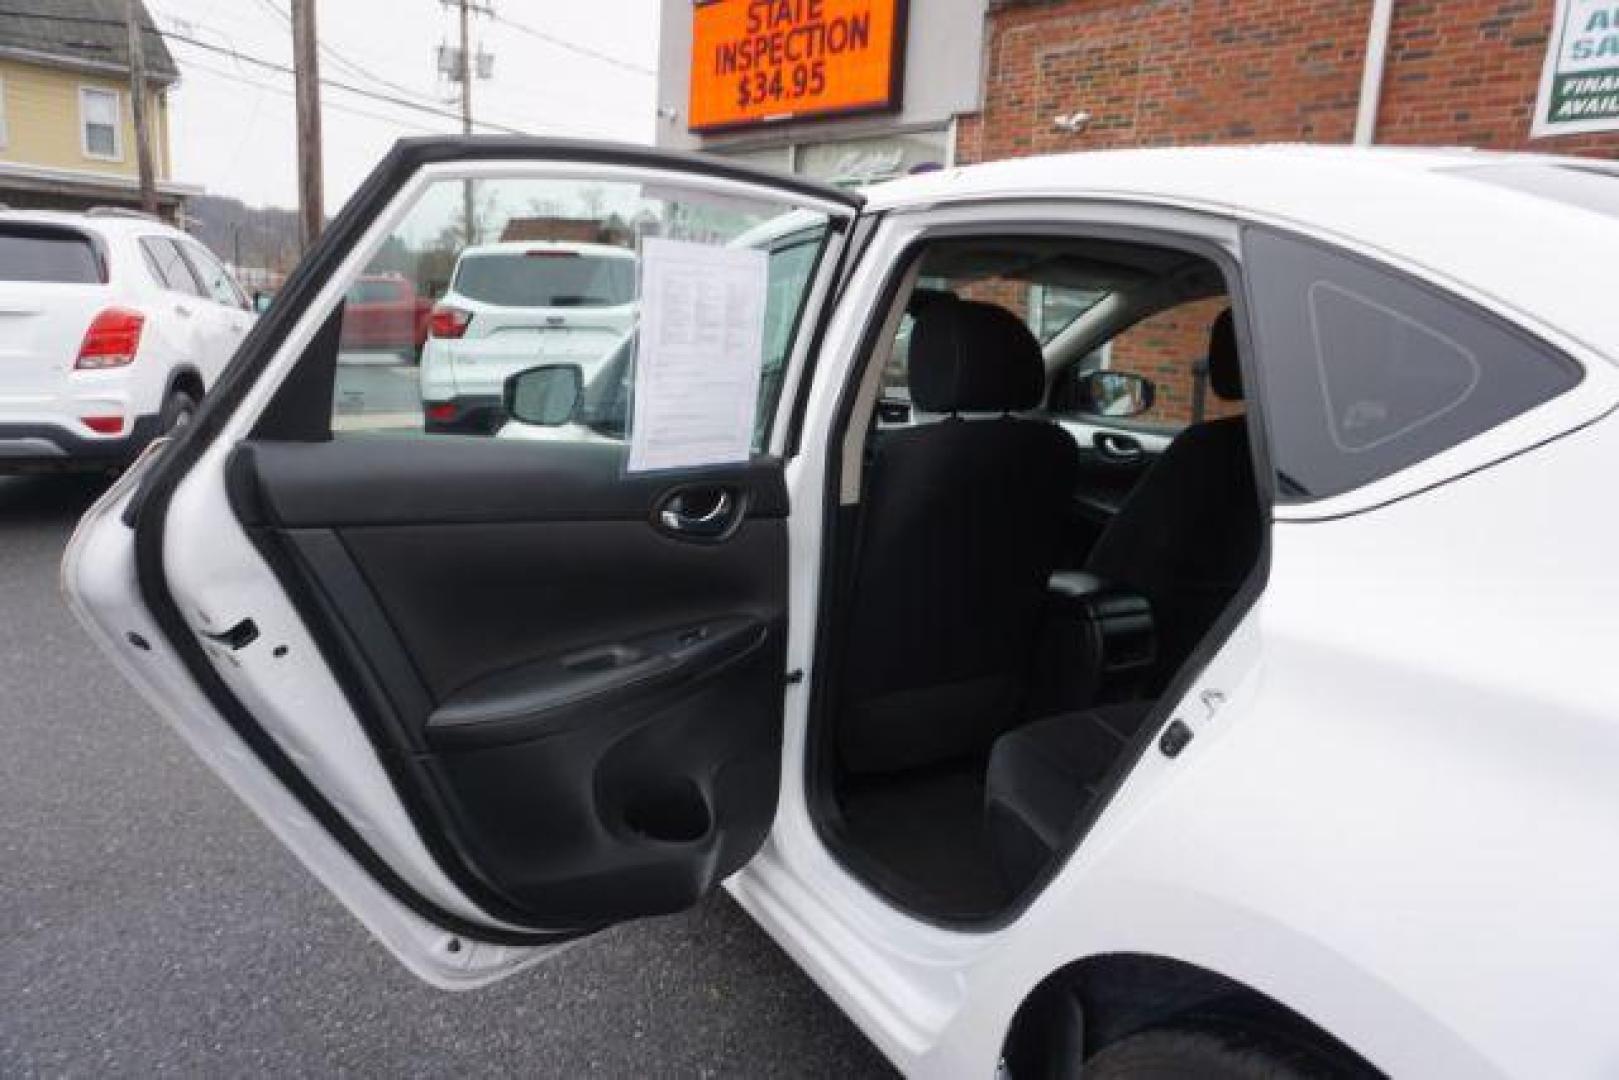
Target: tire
[[1207, 1054], [178, 411]]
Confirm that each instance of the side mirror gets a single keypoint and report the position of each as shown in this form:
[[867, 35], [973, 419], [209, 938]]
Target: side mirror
[[1113, 394], [545, 396]]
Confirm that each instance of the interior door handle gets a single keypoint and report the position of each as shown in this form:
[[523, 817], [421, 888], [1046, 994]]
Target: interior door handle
[[1117, 447], [701, 514]]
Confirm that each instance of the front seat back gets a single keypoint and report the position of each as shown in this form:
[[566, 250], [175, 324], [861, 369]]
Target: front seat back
[[1190, 531], [960, 530]]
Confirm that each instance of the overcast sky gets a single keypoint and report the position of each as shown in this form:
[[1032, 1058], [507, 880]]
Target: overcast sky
[[232, 124]]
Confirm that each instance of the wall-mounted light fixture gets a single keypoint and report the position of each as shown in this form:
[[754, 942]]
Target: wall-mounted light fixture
[[1073, 123]]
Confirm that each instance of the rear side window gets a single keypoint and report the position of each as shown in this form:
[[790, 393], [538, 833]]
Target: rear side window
[[39, 253], [214, 278], [1366, 372], [163, 259], [546, 278]]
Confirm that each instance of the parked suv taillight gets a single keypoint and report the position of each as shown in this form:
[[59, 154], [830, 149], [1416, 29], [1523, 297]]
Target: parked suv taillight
[[448, 322], [112, 340]]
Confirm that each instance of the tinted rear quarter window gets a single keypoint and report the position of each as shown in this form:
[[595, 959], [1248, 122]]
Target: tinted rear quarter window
[[1367, 372], [546, 279], [40, 253]]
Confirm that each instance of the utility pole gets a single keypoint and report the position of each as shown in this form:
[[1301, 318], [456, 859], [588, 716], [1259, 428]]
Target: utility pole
[[466, 67], [137, 101], [306, 66], [466, 115]]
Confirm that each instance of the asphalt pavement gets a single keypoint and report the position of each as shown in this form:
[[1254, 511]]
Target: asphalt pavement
[[151, 925]]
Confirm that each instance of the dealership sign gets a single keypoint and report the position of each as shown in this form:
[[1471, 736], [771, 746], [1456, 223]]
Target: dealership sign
[[762, 61], [1579, 89]]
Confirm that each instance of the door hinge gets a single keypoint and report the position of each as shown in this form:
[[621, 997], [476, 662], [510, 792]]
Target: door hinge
[[795, 676]]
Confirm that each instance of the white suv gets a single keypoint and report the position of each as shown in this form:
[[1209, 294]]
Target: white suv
[[112, 327], [513, 305]]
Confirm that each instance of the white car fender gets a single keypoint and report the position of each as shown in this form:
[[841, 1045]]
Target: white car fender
[[1296, 845]]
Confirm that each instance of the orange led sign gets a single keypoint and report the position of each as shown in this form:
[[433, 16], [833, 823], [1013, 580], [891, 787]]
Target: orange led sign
[[761, 61]]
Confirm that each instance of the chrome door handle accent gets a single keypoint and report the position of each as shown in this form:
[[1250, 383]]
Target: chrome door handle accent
[[710, 524], [1119, 447], [182, 311]]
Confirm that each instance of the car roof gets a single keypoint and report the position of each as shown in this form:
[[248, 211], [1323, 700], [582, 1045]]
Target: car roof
[[118, 224], [1548, 258], [511, 247]]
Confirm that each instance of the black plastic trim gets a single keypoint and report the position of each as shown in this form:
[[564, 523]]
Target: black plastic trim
[[78, 451], [855, 246]]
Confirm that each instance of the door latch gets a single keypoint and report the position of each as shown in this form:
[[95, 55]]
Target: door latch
[[237, 637]]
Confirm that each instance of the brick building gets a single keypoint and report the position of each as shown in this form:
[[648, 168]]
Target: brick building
[[1188, 72], [1180, 72]]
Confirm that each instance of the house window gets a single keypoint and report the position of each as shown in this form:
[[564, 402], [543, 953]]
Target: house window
[[98, 123]]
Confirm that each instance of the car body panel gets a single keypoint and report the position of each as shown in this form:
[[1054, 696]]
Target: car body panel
[[939, 1001], [43, 397], [1394, 813]]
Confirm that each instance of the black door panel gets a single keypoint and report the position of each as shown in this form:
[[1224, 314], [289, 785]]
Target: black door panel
[[584, 709], [556, 694], [383, 480]]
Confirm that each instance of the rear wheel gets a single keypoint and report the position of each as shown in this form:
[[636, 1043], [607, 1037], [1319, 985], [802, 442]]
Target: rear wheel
[[1211, 1054], [177, 412]]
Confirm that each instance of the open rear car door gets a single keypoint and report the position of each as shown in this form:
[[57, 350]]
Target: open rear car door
[[496, 693]]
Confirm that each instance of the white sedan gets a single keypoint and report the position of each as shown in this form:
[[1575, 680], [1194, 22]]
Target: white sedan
[[1162, 624]]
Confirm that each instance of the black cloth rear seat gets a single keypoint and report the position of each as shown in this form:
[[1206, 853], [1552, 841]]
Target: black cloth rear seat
[[961, 529], [1042, 778]]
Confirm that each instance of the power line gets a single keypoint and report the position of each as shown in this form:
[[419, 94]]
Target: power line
[[349, 88], [386, 99], [170, 35], [344, 62], [571, 46], [337, 106]]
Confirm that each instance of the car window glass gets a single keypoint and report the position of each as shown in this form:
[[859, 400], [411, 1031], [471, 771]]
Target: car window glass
[[375, 292], [32, 253], [544, 272], [1366, 372], [168, 267], [1171, 349], [542, 275], [1046, 309], [215, 280]]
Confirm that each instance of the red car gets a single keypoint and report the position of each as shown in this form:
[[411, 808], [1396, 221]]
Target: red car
[[383, 313]]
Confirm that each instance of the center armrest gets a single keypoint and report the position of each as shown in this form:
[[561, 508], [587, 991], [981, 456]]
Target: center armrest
[[1098, 644]]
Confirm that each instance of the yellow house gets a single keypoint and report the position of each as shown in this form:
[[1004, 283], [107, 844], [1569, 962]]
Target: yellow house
[[67, 127]]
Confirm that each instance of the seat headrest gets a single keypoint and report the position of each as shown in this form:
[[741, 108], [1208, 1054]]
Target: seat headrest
[[968, 356], [1225, 365]]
